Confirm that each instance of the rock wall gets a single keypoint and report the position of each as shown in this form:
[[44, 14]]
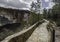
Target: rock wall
[[23, 35], [14, 15], [51, 28]]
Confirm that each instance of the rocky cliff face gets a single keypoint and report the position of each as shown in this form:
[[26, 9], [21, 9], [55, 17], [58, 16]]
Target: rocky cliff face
[[4, 21]]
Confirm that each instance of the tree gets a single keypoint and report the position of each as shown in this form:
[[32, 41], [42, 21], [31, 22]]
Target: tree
[[34, 16], [56, 10], [35, 6], [56, 1], [45, 13], [56, 13]]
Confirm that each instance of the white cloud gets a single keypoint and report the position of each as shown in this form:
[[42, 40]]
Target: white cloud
[[18, 4], [13, 4], [9, 0], [2, 5], [51, 4], [24, 2], [25, 8], [46, 0], [28, 2]]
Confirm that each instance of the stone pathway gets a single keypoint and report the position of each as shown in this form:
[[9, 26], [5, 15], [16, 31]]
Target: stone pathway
[[57, 34], [40, 34]]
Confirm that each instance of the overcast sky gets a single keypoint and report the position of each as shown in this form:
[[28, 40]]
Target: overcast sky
[[25, 4]]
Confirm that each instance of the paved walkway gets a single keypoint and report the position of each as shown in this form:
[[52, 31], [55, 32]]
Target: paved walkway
[[40, 34], [57, 34]]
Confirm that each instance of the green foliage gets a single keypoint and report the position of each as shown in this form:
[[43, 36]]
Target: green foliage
[[53, 14], [56, 9], [45, 13], [56, 12], [35, 6], [56, 1], [34, 18]]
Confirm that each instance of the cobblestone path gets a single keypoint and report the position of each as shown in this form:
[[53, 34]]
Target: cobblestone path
[[57, 34], [40, 34]]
